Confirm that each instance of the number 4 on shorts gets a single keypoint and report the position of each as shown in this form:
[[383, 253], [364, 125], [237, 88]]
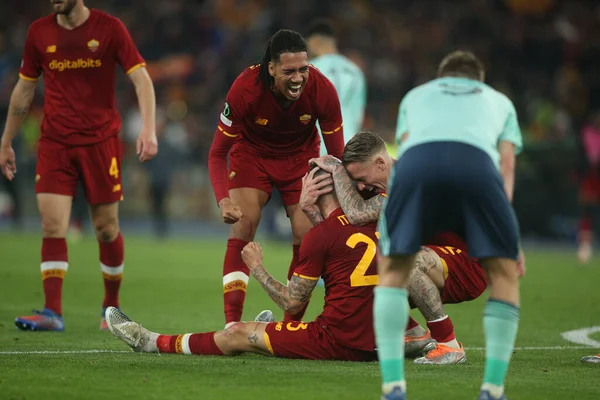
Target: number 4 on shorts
[[114, 168]]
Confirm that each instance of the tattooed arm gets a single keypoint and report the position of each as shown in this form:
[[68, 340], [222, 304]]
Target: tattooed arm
[[290, 298], [357, 210]]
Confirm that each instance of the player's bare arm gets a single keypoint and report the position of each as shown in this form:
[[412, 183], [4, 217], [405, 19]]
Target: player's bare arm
[[312, 188], [508, 161], [20, 101], [147, 144], [358, 210], [424, 293], [290, 298]]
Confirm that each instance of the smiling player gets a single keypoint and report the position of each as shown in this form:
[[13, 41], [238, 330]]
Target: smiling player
[[267, 129]]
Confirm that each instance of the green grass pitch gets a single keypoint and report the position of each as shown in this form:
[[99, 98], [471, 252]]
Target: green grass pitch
[[175, 287]]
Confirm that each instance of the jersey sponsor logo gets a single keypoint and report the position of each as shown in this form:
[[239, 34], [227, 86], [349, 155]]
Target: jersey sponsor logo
[[93, 45], [80, 63], [225, 115], [261, 121], [117, 188], [305, 118], [231, 175], [51, 49], [37, 178]]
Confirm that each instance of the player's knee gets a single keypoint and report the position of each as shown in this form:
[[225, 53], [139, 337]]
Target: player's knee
[[234, 338], [501, 269], [425, 260], [107, 229], [53, 227], [244, 229]]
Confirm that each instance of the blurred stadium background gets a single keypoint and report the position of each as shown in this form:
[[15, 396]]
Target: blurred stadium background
[[543, 54]]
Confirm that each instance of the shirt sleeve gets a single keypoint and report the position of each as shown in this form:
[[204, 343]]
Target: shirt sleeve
[[127, 54], [31, 66], [234, 110], [330, 117], [312, 255], [228, 131], [512, 132]]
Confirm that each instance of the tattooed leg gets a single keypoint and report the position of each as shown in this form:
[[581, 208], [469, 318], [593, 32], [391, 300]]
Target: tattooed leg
[[424, 293], [243, 337]]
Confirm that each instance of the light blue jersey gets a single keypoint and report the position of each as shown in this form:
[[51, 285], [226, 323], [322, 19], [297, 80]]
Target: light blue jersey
[[350, 83], [462, 110]]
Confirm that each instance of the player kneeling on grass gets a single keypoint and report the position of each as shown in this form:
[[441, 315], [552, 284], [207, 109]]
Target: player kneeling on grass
[[343, 254]]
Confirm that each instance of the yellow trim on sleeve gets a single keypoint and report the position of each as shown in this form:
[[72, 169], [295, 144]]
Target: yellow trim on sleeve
[[27, 78], [226, 133], [268, 343], [445, 267], [333, 131], [137, 66], [306, 277], [384, 194]]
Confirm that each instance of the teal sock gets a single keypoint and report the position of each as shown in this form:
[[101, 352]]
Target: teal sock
[[390, 313], [500, 323]]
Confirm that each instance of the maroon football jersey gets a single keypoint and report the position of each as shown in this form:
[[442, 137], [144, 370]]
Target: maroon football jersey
[[345, 257], [79, 68], [253, 115]]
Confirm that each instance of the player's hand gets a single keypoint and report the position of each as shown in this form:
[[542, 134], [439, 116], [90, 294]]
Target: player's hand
[[230, 211], [521, 264], [313, 187], [252, 255], [146, 145], [8, 161], [327, 163]]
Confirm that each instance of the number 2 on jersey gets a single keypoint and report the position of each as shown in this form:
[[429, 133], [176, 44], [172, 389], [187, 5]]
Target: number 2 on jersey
[[114, 168], [359, 277]]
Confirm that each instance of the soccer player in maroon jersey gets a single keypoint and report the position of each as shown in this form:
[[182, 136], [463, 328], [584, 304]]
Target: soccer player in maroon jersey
[[267, 131], [368, 163], [343, 254], [77, 50]]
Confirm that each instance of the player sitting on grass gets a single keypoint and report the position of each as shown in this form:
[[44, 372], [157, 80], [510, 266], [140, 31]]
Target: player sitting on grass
[[445, 272], [343, 254]]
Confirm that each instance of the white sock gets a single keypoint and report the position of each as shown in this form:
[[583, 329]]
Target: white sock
[[494, 390], [453, 343]]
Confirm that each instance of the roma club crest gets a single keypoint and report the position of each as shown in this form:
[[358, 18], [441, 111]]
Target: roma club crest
[[93, 45]]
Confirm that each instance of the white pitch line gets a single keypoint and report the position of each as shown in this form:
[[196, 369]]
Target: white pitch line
[[541, 348], [64, 352]]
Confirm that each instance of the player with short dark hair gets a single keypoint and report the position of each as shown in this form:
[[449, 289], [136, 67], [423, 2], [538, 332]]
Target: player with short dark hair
[[77, 50], [343, 254], [267, 132]]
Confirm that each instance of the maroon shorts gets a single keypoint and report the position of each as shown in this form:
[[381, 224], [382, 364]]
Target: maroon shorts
[[465, 277], [247, 169], [98, 166], [309, 340]]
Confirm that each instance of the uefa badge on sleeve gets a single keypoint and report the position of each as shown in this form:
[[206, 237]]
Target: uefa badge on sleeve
[[225, 114]]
